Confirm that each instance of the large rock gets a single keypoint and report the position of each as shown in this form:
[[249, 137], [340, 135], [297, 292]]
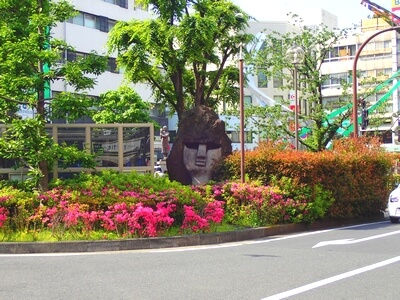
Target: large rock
[[198, 126]]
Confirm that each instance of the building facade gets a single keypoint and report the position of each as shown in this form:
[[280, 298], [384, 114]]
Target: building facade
[[377, 67], [88, 31]]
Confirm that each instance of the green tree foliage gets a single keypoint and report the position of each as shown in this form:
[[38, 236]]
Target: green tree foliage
[[121, 106], [183, 54], [271, 61], [29, 62]]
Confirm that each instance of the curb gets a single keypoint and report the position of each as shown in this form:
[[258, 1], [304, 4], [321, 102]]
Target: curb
[[172, 242]]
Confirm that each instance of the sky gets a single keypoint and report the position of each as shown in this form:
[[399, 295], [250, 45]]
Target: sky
[[348, 12]]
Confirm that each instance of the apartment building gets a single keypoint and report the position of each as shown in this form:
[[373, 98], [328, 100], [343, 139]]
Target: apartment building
[[88, 31], [378, 62]]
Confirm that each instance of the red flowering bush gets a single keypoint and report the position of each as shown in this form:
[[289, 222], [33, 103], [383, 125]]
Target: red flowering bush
[[357, 172], [213, 213], [122, 208], [253, 204]]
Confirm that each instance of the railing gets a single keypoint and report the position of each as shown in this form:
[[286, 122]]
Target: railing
[[121, 147]]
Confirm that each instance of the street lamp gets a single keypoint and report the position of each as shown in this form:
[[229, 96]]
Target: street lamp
[[241, 100], [295, 55]]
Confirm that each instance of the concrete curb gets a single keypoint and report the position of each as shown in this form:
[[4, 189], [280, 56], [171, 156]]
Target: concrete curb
[[171, 242]]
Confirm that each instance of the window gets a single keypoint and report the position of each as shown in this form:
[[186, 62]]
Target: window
[[92, 21], [122, 3], [89, 21], [235, 136], [387, 72], [78, 19], [335, 80], [352, 50], [332, 103], [341, 52], [277, 81], [248, 100], [103, 24], [262, 80], [112, 65], [334, 52]]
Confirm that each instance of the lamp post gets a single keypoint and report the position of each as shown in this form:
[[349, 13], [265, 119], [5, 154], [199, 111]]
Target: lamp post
[[295, 55], [241, 100]]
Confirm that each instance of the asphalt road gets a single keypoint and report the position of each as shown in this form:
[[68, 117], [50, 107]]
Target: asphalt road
[[357, 262]]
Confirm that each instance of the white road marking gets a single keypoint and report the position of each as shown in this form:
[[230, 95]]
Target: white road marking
[[353, 241], [326, 281], [192, 248]]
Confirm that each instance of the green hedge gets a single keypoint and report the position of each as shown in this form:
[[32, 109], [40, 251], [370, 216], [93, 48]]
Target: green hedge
[[356, 171]]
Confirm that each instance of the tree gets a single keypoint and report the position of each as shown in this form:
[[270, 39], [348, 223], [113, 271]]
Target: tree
[[184, 54], [121, 106], [29, 62], [271, 61]]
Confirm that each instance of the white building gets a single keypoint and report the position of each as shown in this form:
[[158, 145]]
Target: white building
[[379, 59], [88, 31]]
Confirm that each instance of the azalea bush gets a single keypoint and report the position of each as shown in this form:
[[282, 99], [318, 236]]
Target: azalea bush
[[121, 205], [112, 205], [254, 204]]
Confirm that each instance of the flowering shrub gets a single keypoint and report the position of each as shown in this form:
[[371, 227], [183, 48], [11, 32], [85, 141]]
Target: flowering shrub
[[3, 215], [137, 220], [118, 208], [213, 214], [356, 171], [285, 201]]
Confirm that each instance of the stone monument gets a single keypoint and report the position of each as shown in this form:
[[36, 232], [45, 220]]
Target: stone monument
[[201, 142]]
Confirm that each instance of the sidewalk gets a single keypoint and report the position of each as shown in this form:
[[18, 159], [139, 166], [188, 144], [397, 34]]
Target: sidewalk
[[171, 242]]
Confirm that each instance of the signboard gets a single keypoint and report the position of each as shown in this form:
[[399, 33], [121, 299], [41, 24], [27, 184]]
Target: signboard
[[396, 7], [25, 111], [292, 98]]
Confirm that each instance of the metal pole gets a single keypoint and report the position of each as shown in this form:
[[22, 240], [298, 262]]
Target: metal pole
[[241, 100], [295, 55], [296, 111], [354, 74]]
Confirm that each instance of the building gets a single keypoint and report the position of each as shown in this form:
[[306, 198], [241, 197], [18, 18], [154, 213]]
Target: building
[[88, 31], [379, 61]]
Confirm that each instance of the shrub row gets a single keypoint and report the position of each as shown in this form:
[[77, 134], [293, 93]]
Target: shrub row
[[355, 171], [137, 205]]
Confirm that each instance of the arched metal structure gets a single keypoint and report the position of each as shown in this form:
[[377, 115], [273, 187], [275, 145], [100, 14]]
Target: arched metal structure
[[354, 75]]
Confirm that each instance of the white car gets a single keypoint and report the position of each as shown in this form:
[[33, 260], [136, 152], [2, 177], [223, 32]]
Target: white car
[[394, 205]]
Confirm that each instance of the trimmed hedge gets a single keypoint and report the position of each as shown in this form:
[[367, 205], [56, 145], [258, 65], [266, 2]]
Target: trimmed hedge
[[356, 171]]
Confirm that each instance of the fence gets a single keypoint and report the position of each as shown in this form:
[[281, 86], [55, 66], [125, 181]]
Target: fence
[[121, 147]]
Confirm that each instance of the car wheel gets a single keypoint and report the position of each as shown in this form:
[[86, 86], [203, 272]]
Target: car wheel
[[394, 220]]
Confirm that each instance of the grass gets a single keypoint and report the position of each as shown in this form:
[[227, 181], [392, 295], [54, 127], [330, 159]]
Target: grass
[[47, 235]]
